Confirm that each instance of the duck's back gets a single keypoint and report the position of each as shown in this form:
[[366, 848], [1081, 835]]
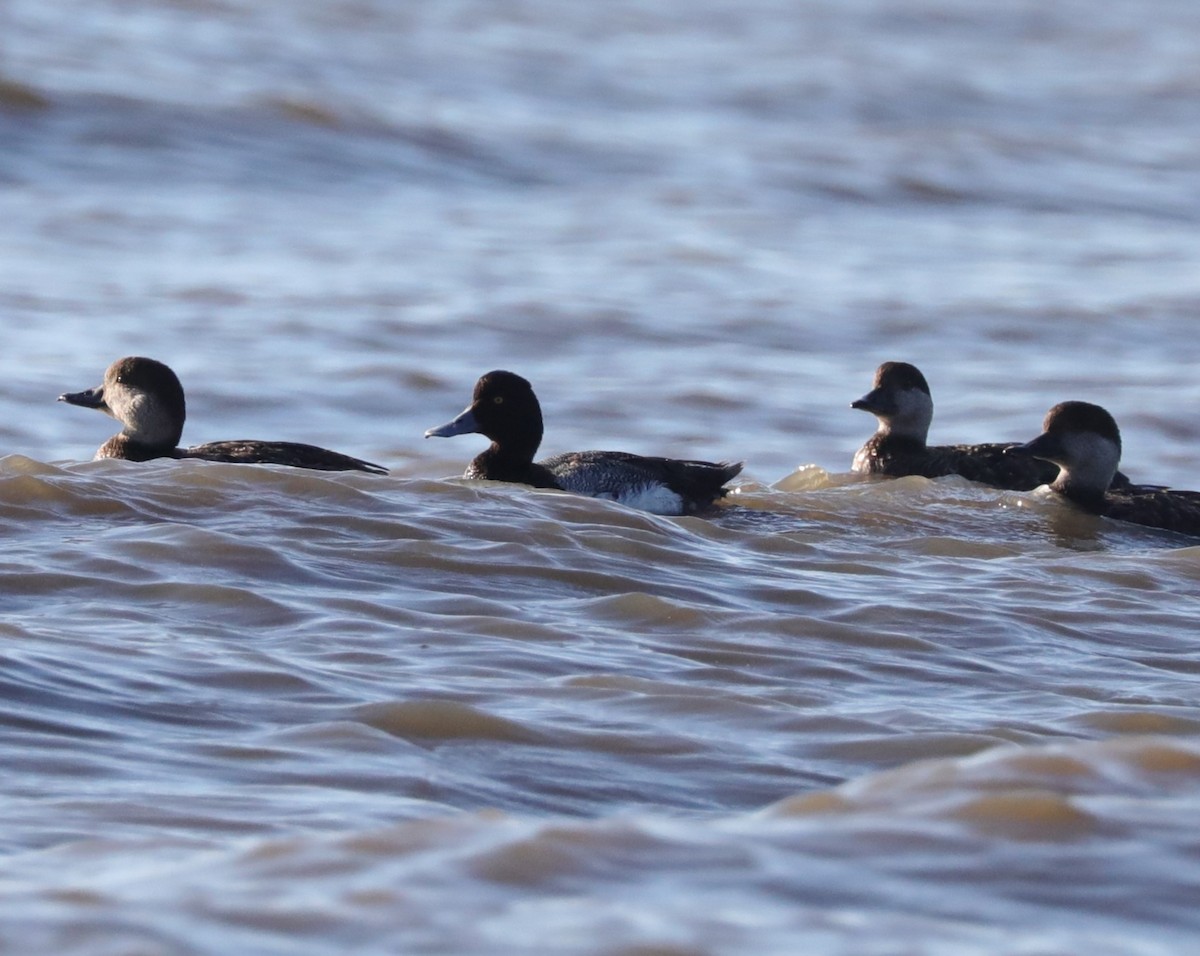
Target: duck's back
[[988, 463], [897, 457], [293, 454], [1155, 508], [655, 483]]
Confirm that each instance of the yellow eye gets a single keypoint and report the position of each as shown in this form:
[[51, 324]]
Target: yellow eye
[[499, 399]]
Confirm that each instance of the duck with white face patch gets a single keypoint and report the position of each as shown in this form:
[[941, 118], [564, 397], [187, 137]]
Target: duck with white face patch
[[901, 401], [145, 396], [1083, 442]]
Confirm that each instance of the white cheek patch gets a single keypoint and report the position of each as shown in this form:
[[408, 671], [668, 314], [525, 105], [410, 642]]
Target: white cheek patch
[[1091, 460], [914, 412], [123, 405], [144, 420]]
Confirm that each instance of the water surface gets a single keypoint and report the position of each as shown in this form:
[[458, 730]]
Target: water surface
[[257, 710]]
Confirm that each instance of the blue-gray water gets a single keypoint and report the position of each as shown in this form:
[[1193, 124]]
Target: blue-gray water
[[256, 710]]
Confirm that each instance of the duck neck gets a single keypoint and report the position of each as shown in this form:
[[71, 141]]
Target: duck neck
[[1085, 493]]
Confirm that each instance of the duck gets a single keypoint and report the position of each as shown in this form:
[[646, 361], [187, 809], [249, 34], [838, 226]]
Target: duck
[[901, 401], [146, 397], [1083, 442], [505, 409]]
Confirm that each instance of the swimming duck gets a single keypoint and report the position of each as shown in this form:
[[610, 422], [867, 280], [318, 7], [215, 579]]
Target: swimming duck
[[1083, 441], [901, 401], [504, 408], [146, 398]]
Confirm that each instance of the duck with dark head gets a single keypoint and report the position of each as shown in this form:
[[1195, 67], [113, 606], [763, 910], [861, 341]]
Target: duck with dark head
[[504, 409]]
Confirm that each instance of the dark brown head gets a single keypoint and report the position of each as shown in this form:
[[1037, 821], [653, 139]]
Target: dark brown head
[[144, 396], [900, 400], [1085, 443]]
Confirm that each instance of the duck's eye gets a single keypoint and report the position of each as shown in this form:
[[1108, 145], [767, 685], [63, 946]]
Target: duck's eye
[[499, 399]]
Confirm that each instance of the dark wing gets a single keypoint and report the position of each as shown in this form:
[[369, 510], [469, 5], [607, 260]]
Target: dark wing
[[989, 465], [617, 473], [294, 454], [1156, 508]]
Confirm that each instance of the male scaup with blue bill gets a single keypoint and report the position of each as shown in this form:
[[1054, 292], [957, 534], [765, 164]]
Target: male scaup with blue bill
[[146, 398], [504, 409], [1083, 442], [901, 402]]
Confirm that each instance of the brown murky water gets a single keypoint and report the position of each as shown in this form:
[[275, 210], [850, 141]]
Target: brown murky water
[[253, 710]]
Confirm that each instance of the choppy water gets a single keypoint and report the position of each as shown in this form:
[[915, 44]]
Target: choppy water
[[256, 710]]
